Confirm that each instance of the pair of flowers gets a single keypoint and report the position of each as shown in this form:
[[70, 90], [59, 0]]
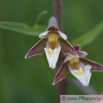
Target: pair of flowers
[[52, 42]]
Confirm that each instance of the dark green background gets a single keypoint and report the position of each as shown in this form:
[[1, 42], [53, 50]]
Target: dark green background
[[30, 81]]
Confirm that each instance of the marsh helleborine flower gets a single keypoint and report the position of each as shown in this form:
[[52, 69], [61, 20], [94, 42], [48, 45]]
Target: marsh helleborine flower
[[52, 42], [79, 67]]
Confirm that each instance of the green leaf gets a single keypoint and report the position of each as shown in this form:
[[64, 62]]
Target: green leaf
[[89, 36], [23, 28]]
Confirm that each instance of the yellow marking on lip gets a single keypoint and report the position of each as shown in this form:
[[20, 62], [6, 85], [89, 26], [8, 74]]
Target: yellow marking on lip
[[53, 37], [74, 60], [50, 52], [79, 73]]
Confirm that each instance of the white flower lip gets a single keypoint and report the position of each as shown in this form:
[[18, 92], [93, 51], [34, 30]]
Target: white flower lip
[[52, 58], [84, 78]]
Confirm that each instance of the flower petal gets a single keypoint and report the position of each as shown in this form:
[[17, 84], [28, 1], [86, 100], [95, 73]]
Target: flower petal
[[52, 56], [62, 35], [60, 59], [82, 75], [44, 34], [37, 49], [77, 47], [53, 28], [61, 74], [53, 22], [95, 66], [67, 48], [82, 53], [68, 57]]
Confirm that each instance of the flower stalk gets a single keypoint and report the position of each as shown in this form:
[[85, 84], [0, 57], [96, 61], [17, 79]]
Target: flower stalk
[[58, 12], [62, 86]]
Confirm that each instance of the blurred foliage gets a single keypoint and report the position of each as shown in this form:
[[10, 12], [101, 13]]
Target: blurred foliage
[[30, 81], [23, 28], [88, 37]]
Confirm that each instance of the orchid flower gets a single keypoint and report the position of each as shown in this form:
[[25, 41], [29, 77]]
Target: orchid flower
[[78, 66], [52, 42]]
